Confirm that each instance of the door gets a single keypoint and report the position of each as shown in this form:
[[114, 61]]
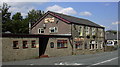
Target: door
[[43, 41]]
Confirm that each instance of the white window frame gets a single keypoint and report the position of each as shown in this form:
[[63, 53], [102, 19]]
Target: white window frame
[[93, 31], [87, 28], [80, 30], [39, 30], [54, 29]]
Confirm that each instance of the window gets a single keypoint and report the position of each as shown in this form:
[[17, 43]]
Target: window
[[33, 44], [15, 45], [25, 44], [81, 31], [78, 44], [52, 45], [53, 29], [85, 45], [101, 32], [87, 30], [62, 44], [93, 31], [40, 30]]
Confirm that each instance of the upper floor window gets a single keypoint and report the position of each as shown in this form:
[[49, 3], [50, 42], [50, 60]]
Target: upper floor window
[[40, 30], [15, 45], [87, 30], [33, 44], [93, 31], [101, 32], [53, 29], [25, 44], [81, 31]]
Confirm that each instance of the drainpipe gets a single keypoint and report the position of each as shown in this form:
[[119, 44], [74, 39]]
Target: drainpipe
[[29, 27]]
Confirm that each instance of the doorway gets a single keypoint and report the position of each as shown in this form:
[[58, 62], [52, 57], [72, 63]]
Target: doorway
[[43, 41]]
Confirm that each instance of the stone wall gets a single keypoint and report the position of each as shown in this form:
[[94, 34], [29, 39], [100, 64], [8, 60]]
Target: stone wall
[[10, 54], [55, 52]]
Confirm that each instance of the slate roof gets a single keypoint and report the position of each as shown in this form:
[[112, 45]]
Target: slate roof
[[76, 20], [71, 19]]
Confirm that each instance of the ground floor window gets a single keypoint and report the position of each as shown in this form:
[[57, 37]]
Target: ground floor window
[[85, 45], [25, 44], [93, 45], [15, 45], [33, 44], [52, 44], [78, 44], [62, 44]]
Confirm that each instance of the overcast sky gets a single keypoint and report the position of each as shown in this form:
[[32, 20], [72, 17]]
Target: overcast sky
[[102, 13]]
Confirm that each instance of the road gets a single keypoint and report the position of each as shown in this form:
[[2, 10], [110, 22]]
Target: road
[[105, 58]]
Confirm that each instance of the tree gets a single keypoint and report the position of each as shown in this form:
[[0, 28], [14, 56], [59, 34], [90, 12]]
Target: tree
[[17, 16], [19, 25], [5, 17], [34, 15]]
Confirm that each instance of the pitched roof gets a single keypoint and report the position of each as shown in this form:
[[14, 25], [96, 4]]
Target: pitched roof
[[76, 20], [71, 19]]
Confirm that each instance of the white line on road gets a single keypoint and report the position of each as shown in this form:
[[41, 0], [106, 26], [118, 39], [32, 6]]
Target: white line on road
[[105, 61]]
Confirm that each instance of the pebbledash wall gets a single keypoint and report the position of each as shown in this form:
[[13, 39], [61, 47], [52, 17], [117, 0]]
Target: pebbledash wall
[[12, 53], [58, 51], [15, 53]]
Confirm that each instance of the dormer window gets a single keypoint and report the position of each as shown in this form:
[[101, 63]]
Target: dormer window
[[40, 30], [53, 29]]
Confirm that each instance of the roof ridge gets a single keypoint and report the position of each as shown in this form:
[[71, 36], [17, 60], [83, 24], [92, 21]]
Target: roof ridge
[[74, 17]]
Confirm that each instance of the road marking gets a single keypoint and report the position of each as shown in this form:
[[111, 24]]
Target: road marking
[[66, 63], [31, 64], [105, 61]]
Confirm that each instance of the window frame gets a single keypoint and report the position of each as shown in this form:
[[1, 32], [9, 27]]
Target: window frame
[[26, 46], [51, 44], [55, 31], [17, 47], [62, 44], [40, 29], [32, 44]]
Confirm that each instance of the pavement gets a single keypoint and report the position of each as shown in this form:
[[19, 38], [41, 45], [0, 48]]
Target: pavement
[[105, 58]]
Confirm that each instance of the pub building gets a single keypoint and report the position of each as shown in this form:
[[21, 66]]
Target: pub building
[[56, 34]]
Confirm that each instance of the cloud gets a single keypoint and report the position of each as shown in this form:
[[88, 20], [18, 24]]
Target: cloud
[[59, 9], [85, 13], [115, 23], [23, 10], [22, 7]]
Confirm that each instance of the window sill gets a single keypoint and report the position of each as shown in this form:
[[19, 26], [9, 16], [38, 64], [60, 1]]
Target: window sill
[[25, 47], [15, 47], [33, 46], [61, 47]]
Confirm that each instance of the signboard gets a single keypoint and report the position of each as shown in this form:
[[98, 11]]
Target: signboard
[[47, 20]]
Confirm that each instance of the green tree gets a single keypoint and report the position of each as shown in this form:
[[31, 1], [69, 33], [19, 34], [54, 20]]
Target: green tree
[[34, 15], [19, 25], [6, 21]]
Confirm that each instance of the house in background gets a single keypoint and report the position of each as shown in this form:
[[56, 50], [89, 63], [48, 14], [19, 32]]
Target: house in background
[[112, 38], [85, 36]]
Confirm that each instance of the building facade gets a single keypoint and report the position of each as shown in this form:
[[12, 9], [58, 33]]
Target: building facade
[[54, 35], [86, 36]]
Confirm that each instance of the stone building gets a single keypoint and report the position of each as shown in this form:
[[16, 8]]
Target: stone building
[[85, 36], [55, 34]]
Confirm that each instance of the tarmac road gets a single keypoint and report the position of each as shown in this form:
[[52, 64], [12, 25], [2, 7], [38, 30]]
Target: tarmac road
[[105, 58]]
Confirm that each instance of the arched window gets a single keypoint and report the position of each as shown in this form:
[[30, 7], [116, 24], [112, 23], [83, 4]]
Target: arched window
[[52, 44]]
